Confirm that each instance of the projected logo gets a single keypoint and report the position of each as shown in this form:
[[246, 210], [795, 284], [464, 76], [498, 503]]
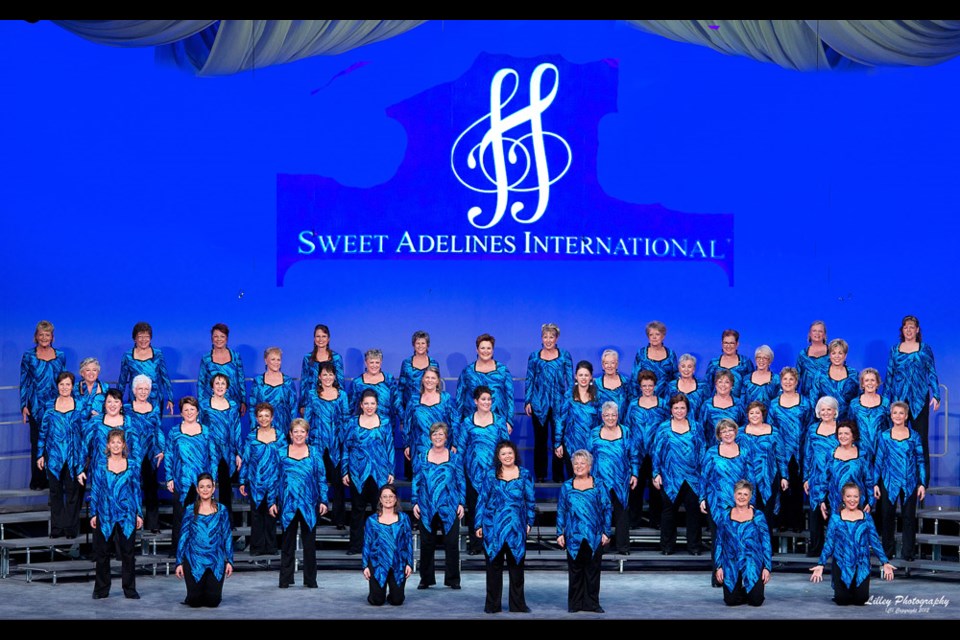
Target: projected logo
[[500, 163], [511, 158]]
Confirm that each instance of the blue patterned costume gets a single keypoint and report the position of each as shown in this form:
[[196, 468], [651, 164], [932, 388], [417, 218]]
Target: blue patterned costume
[[741, 371], [439, 488], [764, 393], [38, 382], [154, 368], [234, 372], [408, 382], [420, 417], [260, 471], [666, 370], [843, 391], [643, 424], [387, 547], [849, 543], [206, 543], [310, 374], [60, 440], [899, 464], [871, 422], [368, 453], [115, 498], [303, 486], [720, 474], [90, 399], [282, 397], [614, 461], [575, 423], [912, 378], [810, 369], [839, 472], [223, 427], [388, 397], [583, 516], [695, 398], [147, 426], [93, 446], [790, 425], [677, 457], [327, 419], [742, 549], [622, 395], [500, 382], [505, 509], [816, 449], [710, 414], [548, 383], [186, 457], [478, 446], [766, 464]]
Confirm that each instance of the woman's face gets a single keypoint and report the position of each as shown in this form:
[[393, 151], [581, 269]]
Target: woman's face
[[584, 377], [219, 339], [788, 382], [549, 339], [728, 435], [851, 498], [755, 416], [273, 361], [763, 361], [115, 446], [729, 345], [485, 351], [321, 338], [686, 369], [205, 489], [506, 456], [484, 402], [581, 467], [870, 383], [827, 413], [420, 346], [679, 410], [898, 416], [439, 438], [430, 381], [142, 340], [141, 392], [327, 378], [44, 338], [910, 330], [369, 405], [837, 357], [264, 418], [818, 334], [112, 406], [655, 337], [90, 373], [741, 497], [610, 365], [610, 417], [189, 413], [298, 435], [388, 499], [845, 436], [723, 385], [647, 387], [65, 388], [219, 386], [373, 365]]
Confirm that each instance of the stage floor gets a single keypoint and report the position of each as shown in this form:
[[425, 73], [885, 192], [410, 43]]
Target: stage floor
[[648, 595]]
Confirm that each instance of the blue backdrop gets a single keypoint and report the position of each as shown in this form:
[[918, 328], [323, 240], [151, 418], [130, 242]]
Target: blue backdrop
[[132, 191]]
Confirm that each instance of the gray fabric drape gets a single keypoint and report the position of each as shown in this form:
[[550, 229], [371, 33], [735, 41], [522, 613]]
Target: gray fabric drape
[[134, 33]]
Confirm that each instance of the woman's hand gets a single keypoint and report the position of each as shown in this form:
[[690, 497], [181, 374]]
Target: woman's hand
[[366, 572], [658, 482], [765, 576], [158, 459], [562, 541], [558, 451], [407, 571], [633, 482], [406, 453], [272, 511], [170, 486], [82, 478], [346, 481], [887, 571], [934, 404], [179, 571], [93, 522], [528, 409], [823, 510], [139, 522], [40, 463], [876, 491], [719, 574], [921, 492], [228, 570], [390, 479], [26, 415], [604, 539], [459, 511], [239, 462], [322, 508], [806, 488], [416, 511], [243, 490], [170, 407], [817, 574], [479, 532], [784, 484], [703, 506]]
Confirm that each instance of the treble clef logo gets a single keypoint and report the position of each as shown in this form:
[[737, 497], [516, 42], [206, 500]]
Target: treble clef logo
[[511, 158]]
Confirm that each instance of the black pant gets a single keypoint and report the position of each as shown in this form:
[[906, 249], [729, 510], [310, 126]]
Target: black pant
[[378, 595], [263, 530], [178, 508], [740, 595], [621, 521], [360, 498], [451, 550], [38, 479], [474, 544], [583, 586], [101, 554], [888, 517], [542, 435], [338, 506], [816, 524], [654, 500], [151, 503], [791, 500], [921, 425], [517, 602], [668, 525], [847, 594], [288, 552], [225, 483], [206, 592], [64, 503], [767, 507]]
